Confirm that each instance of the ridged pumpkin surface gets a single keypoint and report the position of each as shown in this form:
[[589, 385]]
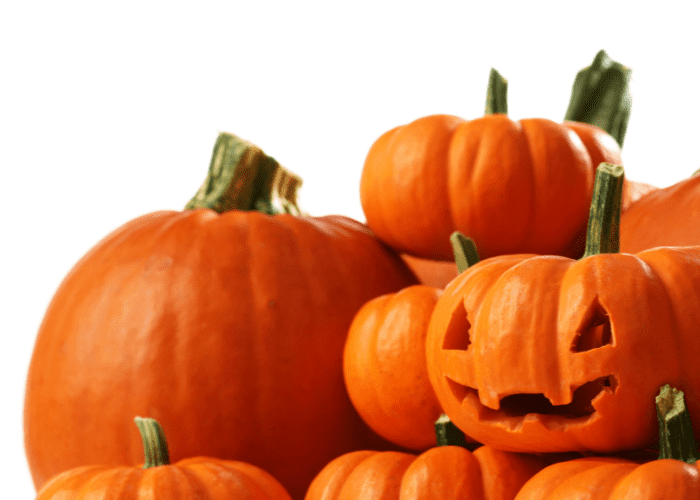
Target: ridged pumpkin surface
[[229, 325], [444, 473], [545, 353], [511, 186]]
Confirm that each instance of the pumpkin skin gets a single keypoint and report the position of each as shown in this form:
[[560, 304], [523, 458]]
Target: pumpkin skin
[[439, 174], [228, 324], [665, 217], [197, 477], [385, 369], [444, 472], [614, 479], [435, 273], [547, 354]]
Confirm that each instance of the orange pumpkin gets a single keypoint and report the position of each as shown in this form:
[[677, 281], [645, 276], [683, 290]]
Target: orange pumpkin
[[385, 370], [440, 174], [545, 353], [674, 475], [384, 360], [665, 217], [158, 479], [446, 472], [226, 323]]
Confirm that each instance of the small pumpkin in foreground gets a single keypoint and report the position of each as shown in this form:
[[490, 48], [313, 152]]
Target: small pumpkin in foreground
[[158, 479], [384, 363], [544, 353], [674, 475], [449, 471], [228, 318]]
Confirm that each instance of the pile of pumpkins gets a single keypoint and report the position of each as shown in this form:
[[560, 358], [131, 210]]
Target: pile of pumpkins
[[510, 290]]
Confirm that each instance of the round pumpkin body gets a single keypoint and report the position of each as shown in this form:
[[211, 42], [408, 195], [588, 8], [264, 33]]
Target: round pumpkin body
[[548, 354], [232, 325], [664, 217], [614, 479], [198, 477], [444, 472], [385, 369], [512, 186]]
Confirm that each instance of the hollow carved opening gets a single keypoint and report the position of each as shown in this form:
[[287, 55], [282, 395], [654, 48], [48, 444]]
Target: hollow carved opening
[[458, 335], [595, 332], [520, 405], [581, 404]]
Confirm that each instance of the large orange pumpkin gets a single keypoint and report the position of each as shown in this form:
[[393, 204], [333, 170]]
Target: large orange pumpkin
[[545, 353], [231, 324], [158, 479]]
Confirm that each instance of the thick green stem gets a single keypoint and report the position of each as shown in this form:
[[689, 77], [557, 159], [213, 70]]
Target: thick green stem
[[676, 438], [603, 234], [448, 434], [464, 250], [600, 96], [242, 177], [155, 448], [496, 94]]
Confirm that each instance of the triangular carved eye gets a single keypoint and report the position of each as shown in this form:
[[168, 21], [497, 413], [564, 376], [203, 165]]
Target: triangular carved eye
[[595, 331], [458, 336]]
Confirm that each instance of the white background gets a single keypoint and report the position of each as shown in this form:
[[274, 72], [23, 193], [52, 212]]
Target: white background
[[110, 110]]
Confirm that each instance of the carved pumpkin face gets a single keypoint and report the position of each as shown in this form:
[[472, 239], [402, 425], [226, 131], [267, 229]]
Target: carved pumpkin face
[[544, 353]]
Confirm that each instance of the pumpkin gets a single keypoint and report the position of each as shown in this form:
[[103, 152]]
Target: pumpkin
[[674, 475], [384, 362], [448, 471], [541, 353], [229, 322], [440, 173], [196, 477], [665, 217]]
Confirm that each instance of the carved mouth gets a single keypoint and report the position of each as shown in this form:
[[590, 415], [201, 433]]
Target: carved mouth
[[515, 407]]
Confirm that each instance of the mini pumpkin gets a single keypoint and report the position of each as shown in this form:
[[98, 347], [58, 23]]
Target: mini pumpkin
[[229, 317], [674, 475], [158, 479], [549, 354], [446, 472], [384, 363]]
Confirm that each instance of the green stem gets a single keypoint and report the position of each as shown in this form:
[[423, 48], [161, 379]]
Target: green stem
[[600, 96], [496, 94], [464, 250], [676, 438], [448, 434], [242, 177], [603, 234], [155, 448]]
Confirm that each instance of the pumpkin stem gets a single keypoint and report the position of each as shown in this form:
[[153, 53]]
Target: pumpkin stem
[[464, 250], [448, 434], [603, 234], [242, 177], [155, 448], [675, 428], [600, 96], [496, 94]]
